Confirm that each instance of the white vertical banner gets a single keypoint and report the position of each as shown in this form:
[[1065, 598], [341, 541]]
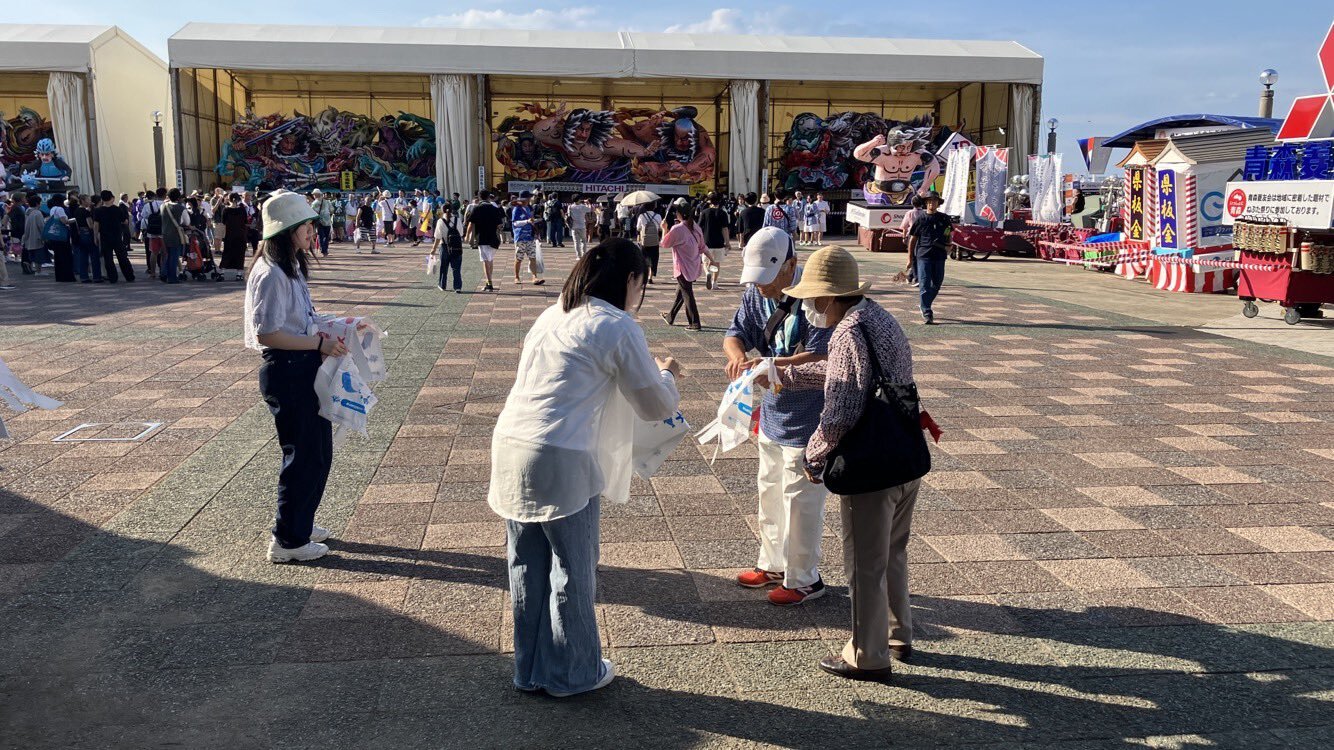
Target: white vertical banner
[[1044, 187], [954, 199]]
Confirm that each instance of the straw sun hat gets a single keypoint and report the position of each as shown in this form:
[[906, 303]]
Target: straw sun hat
[[829, 272]]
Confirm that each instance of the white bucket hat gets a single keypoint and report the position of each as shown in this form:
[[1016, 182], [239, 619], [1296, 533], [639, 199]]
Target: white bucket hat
[[285, 210]]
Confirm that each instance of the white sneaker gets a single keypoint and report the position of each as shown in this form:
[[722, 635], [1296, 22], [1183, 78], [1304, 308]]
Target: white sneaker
[[319, 533], [311, 551], [605, 681]]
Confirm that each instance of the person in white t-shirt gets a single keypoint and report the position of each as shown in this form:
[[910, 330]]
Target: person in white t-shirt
[[385, 212], [578, 224]]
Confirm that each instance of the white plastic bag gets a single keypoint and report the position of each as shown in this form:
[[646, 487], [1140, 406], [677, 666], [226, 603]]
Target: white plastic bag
[[343, 383], [737, 409], [655, 441], [363, 346], [433, 265], [538, 260], [345, 399], [18, 396]]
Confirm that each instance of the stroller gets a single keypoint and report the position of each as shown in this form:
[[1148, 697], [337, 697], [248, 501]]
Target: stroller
[[199, 257]]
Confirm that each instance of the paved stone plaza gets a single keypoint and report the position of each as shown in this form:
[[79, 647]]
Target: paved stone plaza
[[1128, 535]]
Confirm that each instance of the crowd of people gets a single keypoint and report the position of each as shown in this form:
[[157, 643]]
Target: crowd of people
[[560, 445]]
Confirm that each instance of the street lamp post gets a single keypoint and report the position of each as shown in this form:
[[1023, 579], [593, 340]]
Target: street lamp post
[[1268, 77], [159, 158], [1051, 135]]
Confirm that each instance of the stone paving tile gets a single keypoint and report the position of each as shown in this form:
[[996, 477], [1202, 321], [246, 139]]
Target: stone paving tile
[[1125, 549]]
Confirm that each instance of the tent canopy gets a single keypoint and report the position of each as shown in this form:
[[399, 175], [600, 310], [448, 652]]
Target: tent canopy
[[1146, 130], [351, 49], [48, 47], [59, 47]]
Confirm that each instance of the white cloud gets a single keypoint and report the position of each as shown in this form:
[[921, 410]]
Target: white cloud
[[578, 17], [720, 21]]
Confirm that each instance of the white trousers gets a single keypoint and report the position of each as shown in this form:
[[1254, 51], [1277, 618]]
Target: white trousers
[[580, 235], [791, 515]]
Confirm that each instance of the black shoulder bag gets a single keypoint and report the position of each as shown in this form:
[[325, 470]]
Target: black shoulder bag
[[886, 447]]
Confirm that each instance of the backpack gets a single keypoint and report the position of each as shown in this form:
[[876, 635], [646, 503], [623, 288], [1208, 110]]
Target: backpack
[[54, 230], [153, 224], [650, 235]]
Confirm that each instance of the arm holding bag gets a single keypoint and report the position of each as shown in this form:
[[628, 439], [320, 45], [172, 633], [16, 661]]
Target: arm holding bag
[[886, 447]]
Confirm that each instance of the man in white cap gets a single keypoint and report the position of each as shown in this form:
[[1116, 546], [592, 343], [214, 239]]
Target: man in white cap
[[791, 508]]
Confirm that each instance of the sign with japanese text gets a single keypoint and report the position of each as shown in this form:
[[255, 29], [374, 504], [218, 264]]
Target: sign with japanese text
[[1135, 227], [1168, 228], [347, 181], [1304, 204]]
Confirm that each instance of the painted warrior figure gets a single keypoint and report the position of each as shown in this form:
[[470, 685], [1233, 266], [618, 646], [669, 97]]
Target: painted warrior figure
[[687, 155], [587, 138], [896, 157]]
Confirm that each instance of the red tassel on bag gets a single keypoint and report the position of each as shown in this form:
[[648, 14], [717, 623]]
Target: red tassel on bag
[[930, 426]]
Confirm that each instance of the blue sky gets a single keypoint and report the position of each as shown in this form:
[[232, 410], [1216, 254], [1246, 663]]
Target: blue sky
[[1108, 67]]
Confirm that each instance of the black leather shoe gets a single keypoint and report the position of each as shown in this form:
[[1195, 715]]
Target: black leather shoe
[[901, 653], [836, 666]]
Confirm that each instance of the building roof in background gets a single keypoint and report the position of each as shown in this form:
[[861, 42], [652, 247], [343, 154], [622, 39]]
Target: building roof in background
[[1146, 130], [57, 47], [1143, 152], [1207, 148], [597, 54]]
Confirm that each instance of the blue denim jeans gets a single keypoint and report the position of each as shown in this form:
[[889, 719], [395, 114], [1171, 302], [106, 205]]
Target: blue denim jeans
[[553, 580], [930, 274], [171, 265]]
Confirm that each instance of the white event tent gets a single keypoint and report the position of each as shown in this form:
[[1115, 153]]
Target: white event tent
[[99, 88], [747, 87]]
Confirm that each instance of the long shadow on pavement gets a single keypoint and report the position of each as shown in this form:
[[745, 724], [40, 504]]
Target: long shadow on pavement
[[138, 643]]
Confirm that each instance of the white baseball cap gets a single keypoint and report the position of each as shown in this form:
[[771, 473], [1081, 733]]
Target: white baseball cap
[[765, 253]]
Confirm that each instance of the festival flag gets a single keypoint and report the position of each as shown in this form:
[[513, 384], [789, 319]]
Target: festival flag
[[1095, 156]]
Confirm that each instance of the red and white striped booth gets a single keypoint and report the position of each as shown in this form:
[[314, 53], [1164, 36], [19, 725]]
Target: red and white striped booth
[[1175, 274]]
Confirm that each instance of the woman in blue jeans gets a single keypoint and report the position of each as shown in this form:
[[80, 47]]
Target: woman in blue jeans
[[562, 446]]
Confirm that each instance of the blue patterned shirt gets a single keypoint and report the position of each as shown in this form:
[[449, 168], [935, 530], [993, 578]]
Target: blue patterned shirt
[[791, 416]]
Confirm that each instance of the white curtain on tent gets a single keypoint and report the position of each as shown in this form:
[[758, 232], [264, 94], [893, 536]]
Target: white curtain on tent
[[69, 123], [454, 105], [1021, 126], [744, 161]]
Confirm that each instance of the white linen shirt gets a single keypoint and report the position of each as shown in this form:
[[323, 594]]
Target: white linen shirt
[[276, 302], [566, 431]]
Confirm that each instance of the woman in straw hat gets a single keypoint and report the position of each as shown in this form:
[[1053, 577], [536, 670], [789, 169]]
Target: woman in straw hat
[[280, 322], [875, 525]]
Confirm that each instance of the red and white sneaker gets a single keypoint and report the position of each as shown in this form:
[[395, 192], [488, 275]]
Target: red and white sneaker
[[758, 579], [786, 597]]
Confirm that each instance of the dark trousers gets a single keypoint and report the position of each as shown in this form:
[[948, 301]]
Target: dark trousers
[[651, 255], [930, 275], [555, 232], [323, 233], [451, 260], [114, 251], [87, 257], [62, 257], [685, 295], [287, 382]]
